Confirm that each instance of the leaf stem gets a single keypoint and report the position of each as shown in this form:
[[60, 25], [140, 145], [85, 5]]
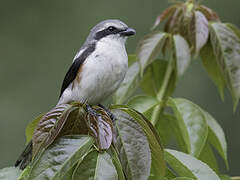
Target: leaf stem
[[161, 92]]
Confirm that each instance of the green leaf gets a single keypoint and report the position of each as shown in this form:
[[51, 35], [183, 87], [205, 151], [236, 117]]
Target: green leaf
[[165, 129], [207, 156], [158, 164], [201, 30], [59, 157], [142, 103], [192, 124], [129, 84], [50, 126], [187, 166], [31, 127], [182, 54], [216, 137], [96, 165], [149, 48], [116, 161], [226, 46], [153, 77], [132, 143], [211, 66], [9, 173]]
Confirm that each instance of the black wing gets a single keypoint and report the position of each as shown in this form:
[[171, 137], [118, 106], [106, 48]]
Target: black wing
[[73, 70]]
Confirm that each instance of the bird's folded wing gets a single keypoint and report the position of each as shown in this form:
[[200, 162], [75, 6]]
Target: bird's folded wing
[[76, 65]]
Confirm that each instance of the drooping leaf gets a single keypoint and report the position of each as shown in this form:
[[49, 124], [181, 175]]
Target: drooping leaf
[[173, 23], [158, 164], [96, 165], [101, 129], [10, 173], [192, 124], [31, 127], [132, 143], [129, 84], [210, 14], [216, 137], [210, 64], [207, 156], [142, 103], [116, 161], [187, 166], [201, 30], [149, 48], [56, 160], [226, 46], [182, 54], [164, 15], [50, 126]]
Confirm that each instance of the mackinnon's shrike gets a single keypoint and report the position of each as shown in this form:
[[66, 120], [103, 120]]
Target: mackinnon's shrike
[[100, 65], [96, 72]]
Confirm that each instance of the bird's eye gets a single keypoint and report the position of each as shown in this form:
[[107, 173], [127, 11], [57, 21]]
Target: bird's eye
[[111, 28]]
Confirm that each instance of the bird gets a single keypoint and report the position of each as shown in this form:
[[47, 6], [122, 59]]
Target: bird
[[96, 72], [99, 66]]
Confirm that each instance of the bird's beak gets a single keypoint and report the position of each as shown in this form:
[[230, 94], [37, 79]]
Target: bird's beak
[[128, 32]]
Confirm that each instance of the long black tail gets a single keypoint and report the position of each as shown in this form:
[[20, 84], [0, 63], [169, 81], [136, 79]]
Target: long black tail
[[26, 157]]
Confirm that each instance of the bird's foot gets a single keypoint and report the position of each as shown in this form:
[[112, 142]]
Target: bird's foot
[[111, 115], [92, 111]]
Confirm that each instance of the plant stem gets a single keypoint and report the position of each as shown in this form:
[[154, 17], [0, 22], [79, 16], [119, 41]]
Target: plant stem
[[161, 93]]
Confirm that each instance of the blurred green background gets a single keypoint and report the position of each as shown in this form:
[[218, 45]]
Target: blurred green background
[[38, 40]]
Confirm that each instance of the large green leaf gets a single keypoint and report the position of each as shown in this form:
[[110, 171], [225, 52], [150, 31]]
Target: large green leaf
[[187, 166], [132, 143], [192, 124], [210, 64], [216, 137], [182, 54], [59, 157], [129, 84], [226, 46], [149, 48], [142, 103], [10, 173], [31, 127], [50, 126], [96, 165], [158, 164]]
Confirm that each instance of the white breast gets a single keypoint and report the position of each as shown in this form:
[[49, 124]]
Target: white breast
[[101, 74]]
